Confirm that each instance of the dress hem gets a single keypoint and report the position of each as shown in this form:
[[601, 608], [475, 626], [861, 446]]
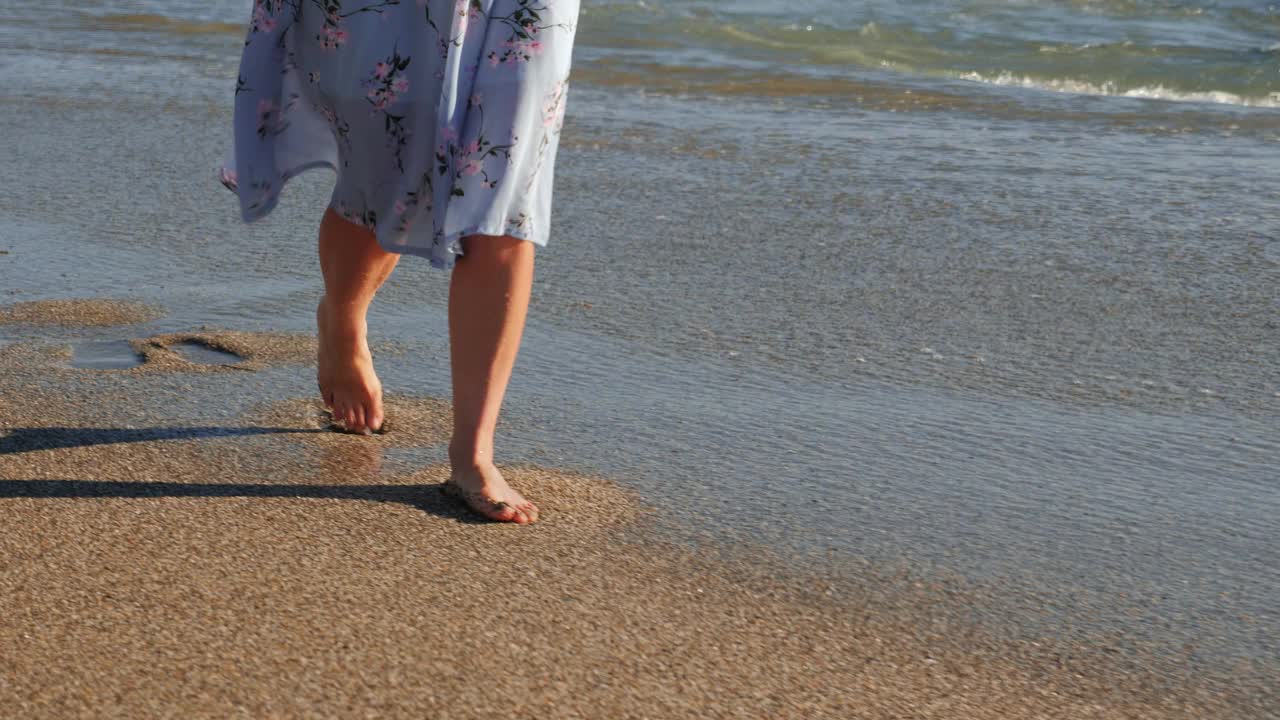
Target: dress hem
[[449, 241]]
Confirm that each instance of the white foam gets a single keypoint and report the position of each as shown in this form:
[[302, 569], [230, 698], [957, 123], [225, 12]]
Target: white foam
[[1155, 92]]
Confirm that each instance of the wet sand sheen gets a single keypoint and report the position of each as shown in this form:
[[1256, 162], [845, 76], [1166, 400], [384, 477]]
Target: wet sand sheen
[[269, 567], [92, 312]]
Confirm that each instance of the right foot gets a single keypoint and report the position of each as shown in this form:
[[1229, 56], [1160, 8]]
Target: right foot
[[485, 491], [349, 386]]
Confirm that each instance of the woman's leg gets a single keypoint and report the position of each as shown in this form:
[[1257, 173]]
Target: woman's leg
[[488, 301], [354, 267]]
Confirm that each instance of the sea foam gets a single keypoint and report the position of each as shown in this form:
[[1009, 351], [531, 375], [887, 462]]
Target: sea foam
[[1150, 92]]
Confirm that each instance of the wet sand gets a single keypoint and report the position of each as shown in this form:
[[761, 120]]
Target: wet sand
[[259, 565], [92, 312]]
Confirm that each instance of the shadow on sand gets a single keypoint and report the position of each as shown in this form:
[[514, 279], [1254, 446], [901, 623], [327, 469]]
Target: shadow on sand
[[20, 440], [428, 498]]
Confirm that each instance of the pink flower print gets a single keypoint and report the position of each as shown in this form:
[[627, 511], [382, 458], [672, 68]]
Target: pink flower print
[[229, 178], [467, 11], [401, 208], [267, 117], [471, 168], [472, 148], [449, 134], [332, 37], [261, 21], [553, 106], [520, 50], [494, 60], [385, 83]]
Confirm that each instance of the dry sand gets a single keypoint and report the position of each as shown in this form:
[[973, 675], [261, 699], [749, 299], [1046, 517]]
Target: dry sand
[[265, 567]]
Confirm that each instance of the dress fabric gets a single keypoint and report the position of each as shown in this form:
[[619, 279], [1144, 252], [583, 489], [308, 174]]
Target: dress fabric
[[440, 117]]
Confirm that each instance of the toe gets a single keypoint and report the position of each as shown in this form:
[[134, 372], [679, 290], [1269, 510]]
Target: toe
[[502, 512], [530, 511]]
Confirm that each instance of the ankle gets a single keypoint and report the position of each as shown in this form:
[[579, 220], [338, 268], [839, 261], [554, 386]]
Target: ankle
[[470, 457], [343, 321]]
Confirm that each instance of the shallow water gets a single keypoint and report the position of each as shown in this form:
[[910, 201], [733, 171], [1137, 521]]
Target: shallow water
[[105, 355], [203, 354], [1027, 337]]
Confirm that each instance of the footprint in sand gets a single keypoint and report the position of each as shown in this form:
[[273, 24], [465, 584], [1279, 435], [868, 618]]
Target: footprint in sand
[[194, 351], [124, 355], [105, 355]]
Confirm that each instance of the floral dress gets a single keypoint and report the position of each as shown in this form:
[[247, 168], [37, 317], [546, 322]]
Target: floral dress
[[440, 117]]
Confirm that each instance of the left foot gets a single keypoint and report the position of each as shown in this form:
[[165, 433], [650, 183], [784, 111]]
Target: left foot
[[484, 490]]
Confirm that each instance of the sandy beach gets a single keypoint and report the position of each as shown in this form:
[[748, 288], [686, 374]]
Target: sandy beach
[[260, 565], [942, 388]]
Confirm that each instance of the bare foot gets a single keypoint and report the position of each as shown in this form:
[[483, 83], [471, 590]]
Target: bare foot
[[348, 384], [485, 491]]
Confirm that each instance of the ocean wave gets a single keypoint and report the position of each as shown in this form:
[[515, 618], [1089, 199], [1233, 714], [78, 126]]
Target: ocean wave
[[1149, 92]]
